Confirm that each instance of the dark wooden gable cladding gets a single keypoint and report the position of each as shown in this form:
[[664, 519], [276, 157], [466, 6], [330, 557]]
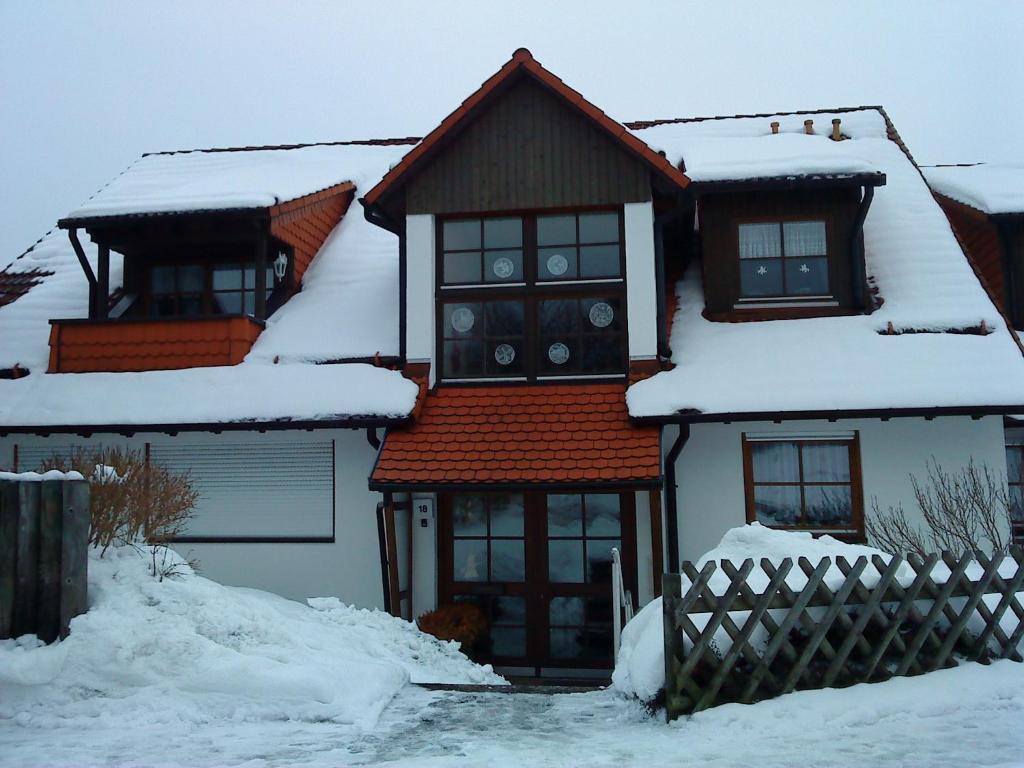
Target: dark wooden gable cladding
[[721, 213], [526, 150]]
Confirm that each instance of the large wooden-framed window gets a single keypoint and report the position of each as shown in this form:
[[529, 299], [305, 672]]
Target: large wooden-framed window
[[203, 289], [808, 483], [532, 296], [784, 260], [1015, 483]]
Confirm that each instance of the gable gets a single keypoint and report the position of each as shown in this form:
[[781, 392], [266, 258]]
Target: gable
[[538, 153]]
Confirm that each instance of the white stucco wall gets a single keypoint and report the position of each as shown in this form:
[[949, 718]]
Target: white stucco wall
[[348, 568], [710, 468], [641, 286], [419, 254]]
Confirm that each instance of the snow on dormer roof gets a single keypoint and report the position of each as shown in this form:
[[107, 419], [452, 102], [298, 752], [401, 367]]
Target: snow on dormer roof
[[994, 188]]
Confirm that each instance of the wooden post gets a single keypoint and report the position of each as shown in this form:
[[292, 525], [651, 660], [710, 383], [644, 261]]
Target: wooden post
[[262, 243], [8, 554], [74, 556], [102, 282], [48, 586], [27, 559], [657, 544]]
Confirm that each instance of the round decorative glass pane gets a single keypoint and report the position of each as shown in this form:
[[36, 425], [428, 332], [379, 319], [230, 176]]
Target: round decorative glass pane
[[557, 264], [602, 314], [504, 354], [558, 353], [463, 319], [503, 268]]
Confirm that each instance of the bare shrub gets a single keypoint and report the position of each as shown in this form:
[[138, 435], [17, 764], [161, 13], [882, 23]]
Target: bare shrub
[[965, 510], [132, 501]]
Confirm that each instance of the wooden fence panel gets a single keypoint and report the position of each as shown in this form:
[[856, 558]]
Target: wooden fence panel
[[832, 624]]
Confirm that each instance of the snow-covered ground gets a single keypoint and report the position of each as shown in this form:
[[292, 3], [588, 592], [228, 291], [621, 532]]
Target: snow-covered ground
[[187, 672]]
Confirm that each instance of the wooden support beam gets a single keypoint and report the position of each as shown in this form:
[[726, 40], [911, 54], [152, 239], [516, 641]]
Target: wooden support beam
[[101, 309]]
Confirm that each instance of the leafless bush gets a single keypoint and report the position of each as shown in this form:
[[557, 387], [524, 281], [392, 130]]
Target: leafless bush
[[132, 501], [962, 511]]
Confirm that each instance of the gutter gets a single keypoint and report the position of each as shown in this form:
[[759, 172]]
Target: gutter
[[698, 417], [127, 430], [671, 502]]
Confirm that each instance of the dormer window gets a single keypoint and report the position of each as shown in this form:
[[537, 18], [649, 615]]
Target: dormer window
[[201, 290], [532, 297], [783, 259]]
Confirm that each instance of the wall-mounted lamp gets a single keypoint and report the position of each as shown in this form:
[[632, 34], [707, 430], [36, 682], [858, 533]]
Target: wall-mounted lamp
[[280, 265]]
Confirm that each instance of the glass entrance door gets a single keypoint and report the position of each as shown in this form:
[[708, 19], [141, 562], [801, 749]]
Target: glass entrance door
[[539, 567]]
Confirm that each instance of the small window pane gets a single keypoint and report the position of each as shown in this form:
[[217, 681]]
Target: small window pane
[[228, 303], [1017, 503], [507, 515], [565, 514], [462, 267], [162, 280], [507, 560], [601, 314], [503, 266], [1014, 465], [505, 358], [760, 277], [509, 610], [599, 228], [775, 462], [556, 263], [503, 233], [190, 306], [469, 516], [270, 280], [566, 611], [807, 277], [559, 355], [599, 560], [192, 278], [804, 238], [777, 504], [463, 358], [503, 318], [603, 514], [559, 316], [599, 354], [470, 560], [826, 463], [462, 320], [599, 261], [556, 230], [599, 610], [164, 306], [249, 302], [759, 241], [508, 641], [461, 235], [227, 279], [828, 505], [565, 561], [566, 643]]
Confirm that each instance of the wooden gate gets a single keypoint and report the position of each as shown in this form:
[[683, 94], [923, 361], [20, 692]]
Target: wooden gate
[[803, 626]]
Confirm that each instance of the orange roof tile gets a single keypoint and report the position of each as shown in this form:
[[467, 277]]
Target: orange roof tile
[[520, 434], [522, 61]]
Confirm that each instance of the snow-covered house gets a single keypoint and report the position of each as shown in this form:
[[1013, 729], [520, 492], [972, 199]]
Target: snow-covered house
[[469, 365]]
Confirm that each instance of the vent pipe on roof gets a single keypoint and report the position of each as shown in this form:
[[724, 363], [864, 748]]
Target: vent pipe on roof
[[775, 126], [836, 134], [809, 127]]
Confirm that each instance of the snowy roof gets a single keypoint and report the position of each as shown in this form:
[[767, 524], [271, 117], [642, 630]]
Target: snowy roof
[[844, 363], [990, 187], [202, 180], [347, 308]]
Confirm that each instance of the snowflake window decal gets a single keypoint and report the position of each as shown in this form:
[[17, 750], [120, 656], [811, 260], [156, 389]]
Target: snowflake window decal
[[558, 353], [503, 268], [504, 354], [804, 268], [463, 319], [601, 314], [558, 264], [762, 270]]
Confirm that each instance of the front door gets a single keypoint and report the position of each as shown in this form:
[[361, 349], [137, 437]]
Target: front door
[[539, 566]]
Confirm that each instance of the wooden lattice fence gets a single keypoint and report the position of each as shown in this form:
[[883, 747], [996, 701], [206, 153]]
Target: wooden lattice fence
[[865, 621]]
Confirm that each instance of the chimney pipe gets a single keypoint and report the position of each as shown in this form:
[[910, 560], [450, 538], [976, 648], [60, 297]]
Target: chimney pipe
[[836, 135], [809, 127], [775, 126]]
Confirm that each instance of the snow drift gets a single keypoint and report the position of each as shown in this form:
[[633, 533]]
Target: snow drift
[[190, 649]]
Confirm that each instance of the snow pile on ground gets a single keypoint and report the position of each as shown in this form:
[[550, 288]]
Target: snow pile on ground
[[189, 650], [990, 187], [640, 668]]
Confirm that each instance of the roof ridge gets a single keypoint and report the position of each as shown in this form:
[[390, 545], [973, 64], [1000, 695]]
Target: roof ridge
[[636, 125], [383, 142]]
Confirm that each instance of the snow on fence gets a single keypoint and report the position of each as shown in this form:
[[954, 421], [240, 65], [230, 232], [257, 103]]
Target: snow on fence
[[762, 631], [44, 539]]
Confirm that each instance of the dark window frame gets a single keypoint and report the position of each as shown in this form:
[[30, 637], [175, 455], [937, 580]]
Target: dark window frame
[[530, 291], [1016, 527], [786, 298], [854, 532]]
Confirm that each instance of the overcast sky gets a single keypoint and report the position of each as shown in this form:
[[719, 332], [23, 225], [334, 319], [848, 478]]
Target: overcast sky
[[86, 87]]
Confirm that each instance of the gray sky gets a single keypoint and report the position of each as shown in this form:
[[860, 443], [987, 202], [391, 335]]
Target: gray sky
[[86, 87]]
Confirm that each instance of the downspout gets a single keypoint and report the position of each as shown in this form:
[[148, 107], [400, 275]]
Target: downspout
[[86, 267], [860, 279], [377, 216], [385, 578], [671, 503], [664, 351], [372, 439]]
